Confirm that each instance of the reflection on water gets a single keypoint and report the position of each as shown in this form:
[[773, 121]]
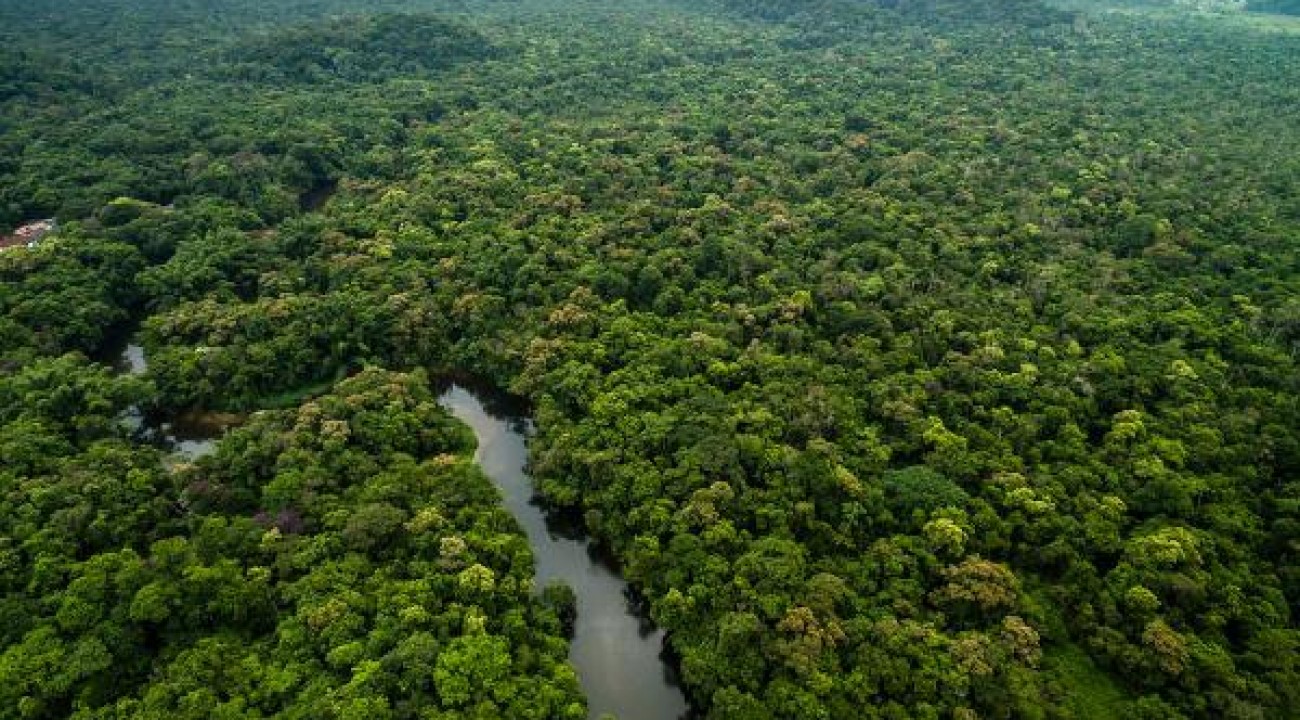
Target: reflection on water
[[193, 436], [618, 655], [132, 360], [190, 435]]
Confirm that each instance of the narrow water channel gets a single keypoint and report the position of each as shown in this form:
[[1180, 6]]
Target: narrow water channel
[[188, 437], [617, 653]]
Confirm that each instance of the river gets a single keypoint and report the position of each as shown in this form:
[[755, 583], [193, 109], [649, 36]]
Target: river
[[188, 436], [617, 653]]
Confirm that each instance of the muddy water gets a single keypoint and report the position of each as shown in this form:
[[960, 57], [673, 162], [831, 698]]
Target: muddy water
[[617, 653], [189, 435]]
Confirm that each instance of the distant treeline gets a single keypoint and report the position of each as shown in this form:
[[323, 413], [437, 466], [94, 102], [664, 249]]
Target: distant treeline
[[1032, 12], [1284, 7], [355, 49]]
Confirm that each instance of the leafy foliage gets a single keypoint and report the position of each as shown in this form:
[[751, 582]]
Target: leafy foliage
[[355, 49], [916, 359], [302, 570]]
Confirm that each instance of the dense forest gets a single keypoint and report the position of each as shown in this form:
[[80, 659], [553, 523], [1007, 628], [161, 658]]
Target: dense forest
[[914, 358]]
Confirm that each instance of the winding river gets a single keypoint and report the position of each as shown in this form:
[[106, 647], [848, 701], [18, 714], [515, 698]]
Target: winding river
[[617, 653]]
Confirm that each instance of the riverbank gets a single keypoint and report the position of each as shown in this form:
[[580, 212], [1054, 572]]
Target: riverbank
[[617, 652]]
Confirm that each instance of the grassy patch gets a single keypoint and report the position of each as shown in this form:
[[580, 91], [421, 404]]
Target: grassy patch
[[294, 397], [1089, 691]]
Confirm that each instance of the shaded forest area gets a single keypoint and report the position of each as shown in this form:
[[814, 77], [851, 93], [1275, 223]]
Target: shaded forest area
[[916, 358]]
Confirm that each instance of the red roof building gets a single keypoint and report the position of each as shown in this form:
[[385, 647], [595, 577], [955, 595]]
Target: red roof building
[[28, 235]]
